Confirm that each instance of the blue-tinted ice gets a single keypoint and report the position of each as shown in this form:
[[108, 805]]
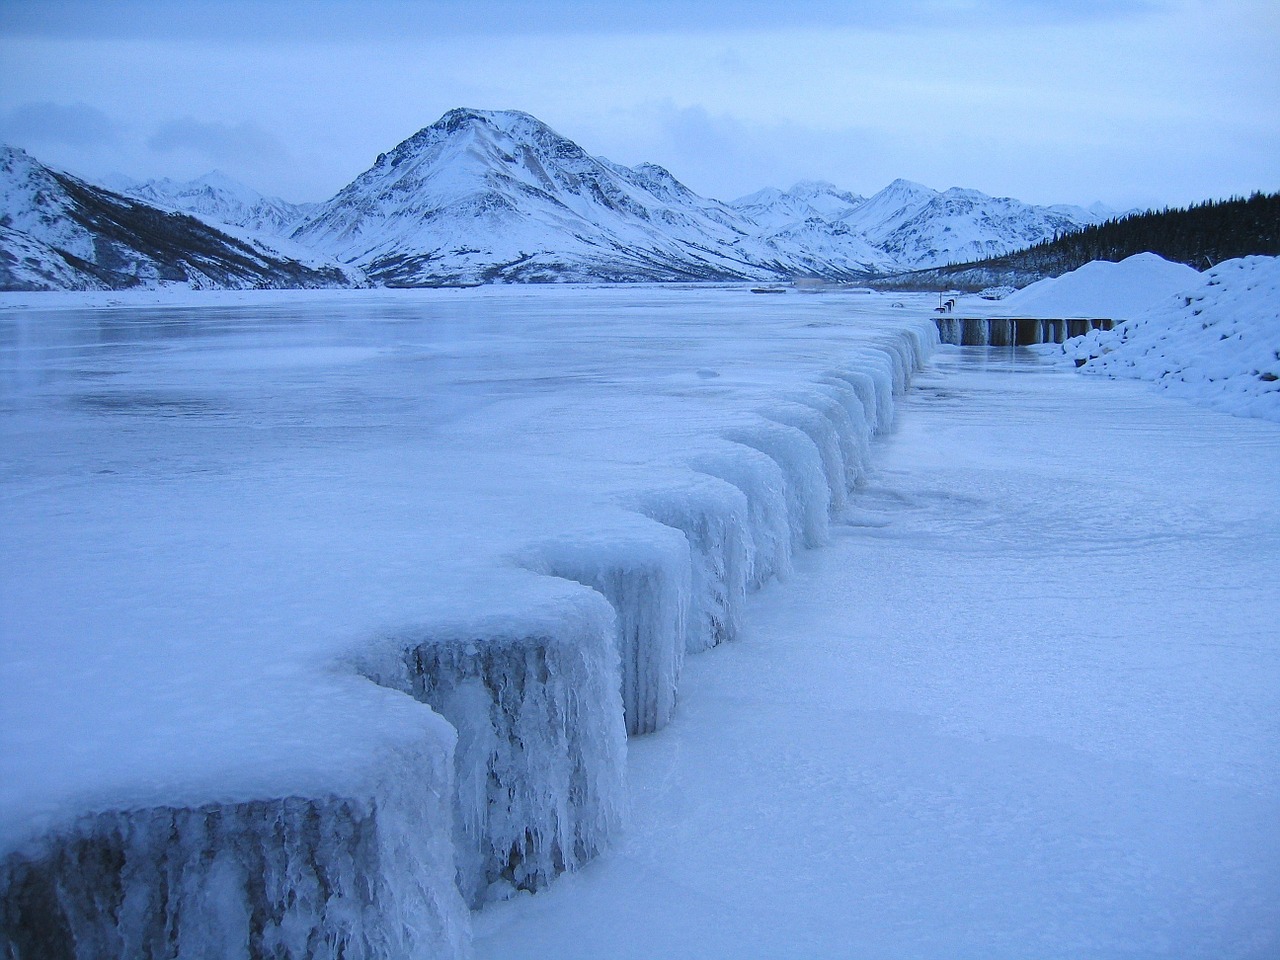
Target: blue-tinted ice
[[242, 542]]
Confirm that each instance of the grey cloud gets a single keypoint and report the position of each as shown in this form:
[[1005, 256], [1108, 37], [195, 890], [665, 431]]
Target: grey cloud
[[223, 143], [718, 154], [75, 125], [329, 19]]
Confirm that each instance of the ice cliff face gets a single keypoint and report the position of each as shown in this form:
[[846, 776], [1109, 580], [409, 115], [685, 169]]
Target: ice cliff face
[[58, 232]]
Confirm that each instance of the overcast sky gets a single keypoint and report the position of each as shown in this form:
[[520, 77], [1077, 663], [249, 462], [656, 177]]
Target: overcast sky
[[1132, 102]]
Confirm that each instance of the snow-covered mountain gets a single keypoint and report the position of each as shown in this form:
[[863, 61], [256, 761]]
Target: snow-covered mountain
[[217, 198], [59, 232], [775, 209], [907, 225], [957, 225], [498, 195]]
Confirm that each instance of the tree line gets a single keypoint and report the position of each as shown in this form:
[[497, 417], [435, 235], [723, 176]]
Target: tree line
[[1200, 236]]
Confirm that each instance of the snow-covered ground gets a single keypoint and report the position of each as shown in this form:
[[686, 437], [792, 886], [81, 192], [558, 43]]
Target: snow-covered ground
[[1215, 341], [1024, 706], [1116, 291]]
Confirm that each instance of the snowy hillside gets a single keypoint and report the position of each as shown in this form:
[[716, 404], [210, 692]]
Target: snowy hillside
[[906, 225], [498, 195], [957, 226], [218, 198], [1216, 343], [917, 227], [62, 233], [772, 208], [485, 196]]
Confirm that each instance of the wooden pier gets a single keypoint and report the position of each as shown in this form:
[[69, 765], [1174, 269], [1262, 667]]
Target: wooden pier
[[1015, 331]]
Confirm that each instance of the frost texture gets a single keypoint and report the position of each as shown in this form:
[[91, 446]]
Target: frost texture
[[294, 877], [541, 751], [647, 580]]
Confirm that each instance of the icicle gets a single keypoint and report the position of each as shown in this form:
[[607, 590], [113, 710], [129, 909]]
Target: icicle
[[712, 514], [540, 760], [763, 484], [645, 574], [808, 496]]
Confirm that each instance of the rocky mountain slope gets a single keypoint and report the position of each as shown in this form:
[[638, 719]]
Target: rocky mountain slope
[[484, 196], [498, 195], [60, 233]]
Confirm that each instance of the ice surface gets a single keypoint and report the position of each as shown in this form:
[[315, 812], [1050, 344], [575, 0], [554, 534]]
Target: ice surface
[[1024, 705], [216, 514], [532, 689]]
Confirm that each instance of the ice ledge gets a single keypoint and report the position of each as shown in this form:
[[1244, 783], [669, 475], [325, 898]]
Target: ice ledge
[[537, 695]]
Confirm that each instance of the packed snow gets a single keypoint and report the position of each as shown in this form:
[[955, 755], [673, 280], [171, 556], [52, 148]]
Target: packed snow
[[223, 519], [1101, 288], [1215, 342]]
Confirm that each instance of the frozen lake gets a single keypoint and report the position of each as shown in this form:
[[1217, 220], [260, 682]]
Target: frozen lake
[[221, 518], [1026, 704], [1024, 701]]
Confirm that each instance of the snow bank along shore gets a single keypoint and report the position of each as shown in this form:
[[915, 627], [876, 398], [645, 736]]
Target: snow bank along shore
[[1214, 341], [1116, 291], [325, 624], [1212, 338]]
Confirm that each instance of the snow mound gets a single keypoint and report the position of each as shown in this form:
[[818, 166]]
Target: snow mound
[[1104, 289], [1217, 343]]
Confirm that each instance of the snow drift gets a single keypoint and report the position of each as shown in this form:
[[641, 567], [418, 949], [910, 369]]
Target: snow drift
[[1217, 342], [1101, 288]]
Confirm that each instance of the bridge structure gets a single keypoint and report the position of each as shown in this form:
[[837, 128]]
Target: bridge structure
[[1015, 331]]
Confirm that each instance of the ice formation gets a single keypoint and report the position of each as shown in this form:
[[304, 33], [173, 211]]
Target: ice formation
[[360, 619], [534, 698], [350, 874]]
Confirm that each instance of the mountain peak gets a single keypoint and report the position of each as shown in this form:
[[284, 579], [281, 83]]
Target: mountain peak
[[803, 188], [901, 185], [504, 120], [220, 181]]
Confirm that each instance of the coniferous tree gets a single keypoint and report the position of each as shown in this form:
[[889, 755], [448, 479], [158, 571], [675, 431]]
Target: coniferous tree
[[1200, 236]]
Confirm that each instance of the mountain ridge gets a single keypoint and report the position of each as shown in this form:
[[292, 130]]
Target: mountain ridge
[[58, 232], [498, 196]]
